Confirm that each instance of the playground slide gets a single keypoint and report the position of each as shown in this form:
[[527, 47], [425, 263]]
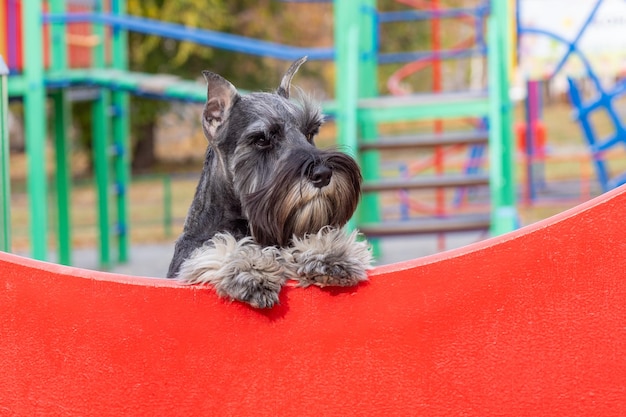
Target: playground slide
[[529, 323]]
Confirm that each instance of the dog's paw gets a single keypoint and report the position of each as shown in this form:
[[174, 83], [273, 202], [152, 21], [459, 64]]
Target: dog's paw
[[327, 272], [253, 287], [239, 270], [329, 258]]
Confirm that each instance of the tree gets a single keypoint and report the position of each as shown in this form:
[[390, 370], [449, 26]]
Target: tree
[[153, 54]]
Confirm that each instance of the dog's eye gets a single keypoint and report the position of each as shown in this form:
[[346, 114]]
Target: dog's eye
[[311, 135], [261, 141]]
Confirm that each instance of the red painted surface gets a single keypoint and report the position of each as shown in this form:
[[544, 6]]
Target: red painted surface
[[20, 36], [80, 55], [530, 323], [79, 48]]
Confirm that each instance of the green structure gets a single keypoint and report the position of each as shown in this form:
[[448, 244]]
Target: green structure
[[110, 131], [358, 108], [5, 184]]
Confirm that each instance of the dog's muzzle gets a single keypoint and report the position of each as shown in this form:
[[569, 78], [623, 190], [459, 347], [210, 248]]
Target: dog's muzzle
[[320, 175], [304, 194]]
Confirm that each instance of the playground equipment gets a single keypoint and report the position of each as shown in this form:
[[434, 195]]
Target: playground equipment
[[5, 183], [110, 124], [372, 110], [604, 100], [528, 323], [358, 109], [472, 46]]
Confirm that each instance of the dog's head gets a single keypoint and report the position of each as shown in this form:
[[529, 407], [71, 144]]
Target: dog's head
[[264, 145]]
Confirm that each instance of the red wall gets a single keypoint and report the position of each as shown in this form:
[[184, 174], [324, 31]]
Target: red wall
[[79, 48], [530, 323]]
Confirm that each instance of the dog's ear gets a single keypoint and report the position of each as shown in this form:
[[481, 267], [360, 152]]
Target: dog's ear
[[220, 97], [285, 84]]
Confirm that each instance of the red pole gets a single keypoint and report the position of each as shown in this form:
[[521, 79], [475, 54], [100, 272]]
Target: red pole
[[440, 197]]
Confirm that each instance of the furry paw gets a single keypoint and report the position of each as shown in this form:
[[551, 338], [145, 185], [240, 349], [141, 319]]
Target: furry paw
[[252, 287], [240, 270], [330, 257]]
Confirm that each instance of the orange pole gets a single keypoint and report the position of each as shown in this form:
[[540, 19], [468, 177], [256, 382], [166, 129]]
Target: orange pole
[[440, 195], [3, 28]]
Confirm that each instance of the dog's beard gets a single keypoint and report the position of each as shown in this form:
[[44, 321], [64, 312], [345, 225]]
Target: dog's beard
[[285, 208]]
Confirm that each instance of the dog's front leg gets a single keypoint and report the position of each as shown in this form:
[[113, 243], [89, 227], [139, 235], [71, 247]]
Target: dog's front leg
[[330, 257], [238, 269]]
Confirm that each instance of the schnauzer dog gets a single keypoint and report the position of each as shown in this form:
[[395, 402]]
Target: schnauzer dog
[[269, 205]]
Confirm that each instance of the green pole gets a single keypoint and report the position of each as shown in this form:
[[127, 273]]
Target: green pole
[[101, 146], [502, 178], [505, 17], [356, 77], [346, 27], [5, 181], [369, 209], [61, 128], [346, 66], [35, 126], [121, 133]]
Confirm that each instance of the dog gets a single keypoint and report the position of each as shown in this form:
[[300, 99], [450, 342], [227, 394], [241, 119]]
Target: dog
[[269, 206]]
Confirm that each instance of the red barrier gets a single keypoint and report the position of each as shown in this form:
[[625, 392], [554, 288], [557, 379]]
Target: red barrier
[[530, 323]]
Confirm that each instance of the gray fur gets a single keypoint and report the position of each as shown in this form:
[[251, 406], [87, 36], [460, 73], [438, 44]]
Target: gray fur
[[265, 186], [328, 257], [238, 269]]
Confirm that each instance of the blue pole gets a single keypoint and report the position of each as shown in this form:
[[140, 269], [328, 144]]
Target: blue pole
[[200, 36]]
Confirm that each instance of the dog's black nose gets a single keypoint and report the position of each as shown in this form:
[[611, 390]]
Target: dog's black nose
[[320, 176]]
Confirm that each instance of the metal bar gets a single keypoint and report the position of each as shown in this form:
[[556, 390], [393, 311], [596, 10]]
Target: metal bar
[[121, 132], [572, 47], [444, 54], [431, 225], [471, 137], [383, 110], [502, 184], [532, 117], [346, 85], [590, 135], [382, 102], [412, 15], [101, 147], [573, 44], [126, 81], [508, 214], [101, 133], [5, 180], [12, 34], [370, 207], [440, 197], [61, 124], [63, 175], [35, 127], [3, 33], [16, 85], [423, 182], [200, 36]]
